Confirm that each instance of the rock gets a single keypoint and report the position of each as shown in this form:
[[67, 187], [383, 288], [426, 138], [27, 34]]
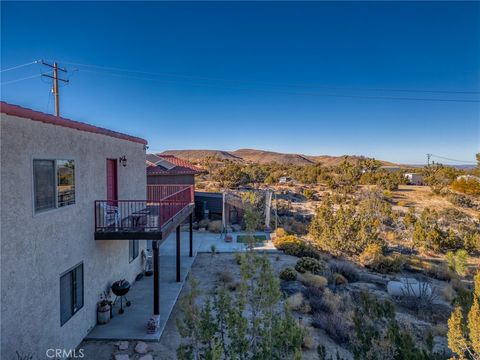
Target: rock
[[141, 348], [146, 357], [122, 345], [121, 357], [409, 287], [291, 287]]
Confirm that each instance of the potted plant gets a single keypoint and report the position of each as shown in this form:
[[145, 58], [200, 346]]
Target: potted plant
[[104, 308]]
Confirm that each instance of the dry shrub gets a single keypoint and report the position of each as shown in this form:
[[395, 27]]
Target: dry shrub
[[305, 308], [328, 302], [295, 301], [335, 325], [309, 279], [440, 329], [215, 226], [225, 276], [373, 258], [447, 292], [339, 279], [402, 203], [440, 272], [308, 340], [346, 269], [313, 293]]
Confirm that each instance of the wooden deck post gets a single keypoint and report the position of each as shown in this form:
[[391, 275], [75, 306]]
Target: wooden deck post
[[156, 277], [191, 235], [178, 253]]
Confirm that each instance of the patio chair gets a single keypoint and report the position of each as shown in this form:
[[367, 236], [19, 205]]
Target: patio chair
[[111, 215]]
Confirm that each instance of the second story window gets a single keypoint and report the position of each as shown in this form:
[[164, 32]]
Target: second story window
[[54, 183]]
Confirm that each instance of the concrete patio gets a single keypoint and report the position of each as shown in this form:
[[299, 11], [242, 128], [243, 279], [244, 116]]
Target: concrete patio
[[132, 324]]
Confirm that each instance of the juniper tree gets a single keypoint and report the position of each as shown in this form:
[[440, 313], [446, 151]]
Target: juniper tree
[[464, 334], [248, 325]]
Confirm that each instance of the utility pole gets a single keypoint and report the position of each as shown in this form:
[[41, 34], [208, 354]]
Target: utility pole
[[428, 159], [55, 83]]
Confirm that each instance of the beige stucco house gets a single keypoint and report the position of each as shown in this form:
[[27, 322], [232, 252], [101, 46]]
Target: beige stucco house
[[53, 270]]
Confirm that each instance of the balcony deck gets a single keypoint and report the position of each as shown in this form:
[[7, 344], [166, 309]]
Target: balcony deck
[[165, 209]]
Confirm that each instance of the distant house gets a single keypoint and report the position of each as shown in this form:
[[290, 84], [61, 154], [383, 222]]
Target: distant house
[[414, 178], [285, 180], [468, 177]]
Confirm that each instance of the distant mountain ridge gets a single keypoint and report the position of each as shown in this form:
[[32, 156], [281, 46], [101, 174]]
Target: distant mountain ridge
[[264, 157]]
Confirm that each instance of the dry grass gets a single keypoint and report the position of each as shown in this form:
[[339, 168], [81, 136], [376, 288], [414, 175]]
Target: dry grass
[[421, 197], [308, 339], [310, 279], [295, 302]]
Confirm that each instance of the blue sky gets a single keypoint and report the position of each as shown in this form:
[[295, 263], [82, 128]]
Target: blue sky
[[258, 75]]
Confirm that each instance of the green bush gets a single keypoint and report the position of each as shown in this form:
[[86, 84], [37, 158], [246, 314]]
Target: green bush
[[288, 274], [457, 261], [310, 264]]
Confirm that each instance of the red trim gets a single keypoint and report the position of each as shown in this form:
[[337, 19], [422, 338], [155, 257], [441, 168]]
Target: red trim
[[25, 113]]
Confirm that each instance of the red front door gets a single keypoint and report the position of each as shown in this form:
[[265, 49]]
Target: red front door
[[112, 186]]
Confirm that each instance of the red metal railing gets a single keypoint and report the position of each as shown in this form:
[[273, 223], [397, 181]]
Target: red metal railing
[[161, 192], [163, 204]]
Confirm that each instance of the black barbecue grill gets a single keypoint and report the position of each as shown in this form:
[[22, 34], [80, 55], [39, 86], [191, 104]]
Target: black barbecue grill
[[120, 288]]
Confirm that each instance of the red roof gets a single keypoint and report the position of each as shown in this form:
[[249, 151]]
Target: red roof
[[179, 166], [25, 113]]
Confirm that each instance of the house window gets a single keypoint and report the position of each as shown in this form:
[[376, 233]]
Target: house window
[[54, 183], [71, 293], [132, 250]]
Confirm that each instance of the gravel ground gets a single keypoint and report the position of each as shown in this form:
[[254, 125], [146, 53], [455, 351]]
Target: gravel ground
[[207, 269]]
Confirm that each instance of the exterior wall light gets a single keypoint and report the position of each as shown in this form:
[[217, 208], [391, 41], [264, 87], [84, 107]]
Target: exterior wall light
[[123, 160]]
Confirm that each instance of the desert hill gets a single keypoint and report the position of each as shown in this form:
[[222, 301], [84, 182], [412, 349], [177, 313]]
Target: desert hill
[[264, 157]]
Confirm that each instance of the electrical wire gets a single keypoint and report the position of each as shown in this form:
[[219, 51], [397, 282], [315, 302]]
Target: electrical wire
[[454, 160], [21, 79], [270, 84], [289, 92], [20, 66]]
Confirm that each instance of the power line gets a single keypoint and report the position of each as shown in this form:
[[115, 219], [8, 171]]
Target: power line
[[20, 66], [455, 160], [289, 92], [21, 79], [107, 68]]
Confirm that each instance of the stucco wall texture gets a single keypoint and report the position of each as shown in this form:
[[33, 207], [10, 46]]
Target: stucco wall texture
[[37, 248]]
